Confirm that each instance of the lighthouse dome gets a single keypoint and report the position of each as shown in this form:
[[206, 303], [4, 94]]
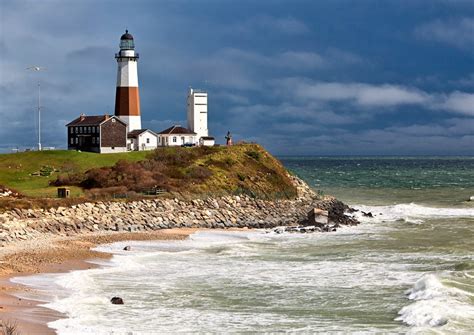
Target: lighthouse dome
[[126, 41], [126, 36]]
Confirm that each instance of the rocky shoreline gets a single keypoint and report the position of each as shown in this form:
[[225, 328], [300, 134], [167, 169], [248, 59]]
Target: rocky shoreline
[[155, 214]]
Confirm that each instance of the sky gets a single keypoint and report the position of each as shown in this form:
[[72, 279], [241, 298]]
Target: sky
[[300, 77]]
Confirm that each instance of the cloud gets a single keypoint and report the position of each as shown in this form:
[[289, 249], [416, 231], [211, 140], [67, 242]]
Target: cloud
[[456, 32], [459, 102], [376, 97], [364, 95]]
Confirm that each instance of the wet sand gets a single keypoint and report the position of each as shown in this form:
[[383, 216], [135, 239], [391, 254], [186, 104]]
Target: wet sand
[[52, 254]]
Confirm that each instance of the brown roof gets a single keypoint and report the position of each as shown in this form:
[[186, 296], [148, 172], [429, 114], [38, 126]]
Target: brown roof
[[176, 129], [92, 120], [136, 132]]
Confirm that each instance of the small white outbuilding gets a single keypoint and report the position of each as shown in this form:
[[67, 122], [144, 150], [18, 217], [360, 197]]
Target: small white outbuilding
[[142, 139], [207, 141]]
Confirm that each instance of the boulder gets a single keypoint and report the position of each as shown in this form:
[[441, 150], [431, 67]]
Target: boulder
[[116, 301], [369, 214], [127, 248]]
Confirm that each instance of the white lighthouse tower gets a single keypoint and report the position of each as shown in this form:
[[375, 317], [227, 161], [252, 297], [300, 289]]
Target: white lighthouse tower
[[197, 112], [127, 98]]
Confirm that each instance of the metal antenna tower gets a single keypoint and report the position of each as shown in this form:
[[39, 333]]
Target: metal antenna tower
[[37, 69]]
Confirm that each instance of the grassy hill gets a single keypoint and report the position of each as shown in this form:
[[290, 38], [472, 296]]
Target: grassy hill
[[245, 168], [16, 169]]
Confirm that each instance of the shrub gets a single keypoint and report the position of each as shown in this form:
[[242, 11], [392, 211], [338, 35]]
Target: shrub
[[241, 176], [199, 172], [254, 154], [67, 179]]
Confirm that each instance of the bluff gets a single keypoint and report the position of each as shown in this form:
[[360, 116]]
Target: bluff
[[154, 214], [245, 169]]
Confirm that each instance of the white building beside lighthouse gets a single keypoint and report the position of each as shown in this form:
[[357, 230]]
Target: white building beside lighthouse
[[197, 112], [127, 97]]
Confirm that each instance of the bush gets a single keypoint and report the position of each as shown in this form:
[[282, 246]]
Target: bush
[[67, 179], [254, 154], [199, 172]]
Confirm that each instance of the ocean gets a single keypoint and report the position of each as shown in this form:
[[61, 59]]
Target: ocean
[[410, 269]]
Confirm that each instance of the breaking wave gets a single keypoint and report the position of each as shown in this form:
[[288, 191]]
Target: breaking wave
[[435, 304], [412, 212]]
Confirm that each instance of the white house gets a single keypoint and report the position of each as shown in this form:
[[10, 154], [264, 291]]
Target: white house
[[142, 139], [176, 136]]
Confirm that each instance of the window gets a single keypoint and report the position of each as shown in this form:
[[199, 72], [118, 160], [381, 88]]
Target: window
[[72, 141], [93, 140], [148, 141], [88, 130], [113, 120], [71, 130], [77, 140], [174, 139]]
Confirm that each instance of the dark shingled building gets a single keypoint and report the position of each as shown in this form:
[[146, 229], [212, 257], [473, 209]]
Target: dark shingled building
[[101, 133]]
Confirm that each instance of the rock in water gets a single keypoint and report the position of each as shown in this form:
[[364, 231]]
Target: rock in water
[[318, 217], [471, 198], [127, 248], [116, 301], [369, 214]]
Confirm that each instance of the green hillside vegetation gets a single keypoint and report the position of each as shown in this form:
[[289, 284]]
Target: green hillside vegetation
[[201, 171], [18, 170]]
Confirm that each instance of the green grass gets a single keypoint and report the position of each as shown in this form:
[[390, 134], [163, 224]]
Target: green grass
[[240, 169], [16, 169]]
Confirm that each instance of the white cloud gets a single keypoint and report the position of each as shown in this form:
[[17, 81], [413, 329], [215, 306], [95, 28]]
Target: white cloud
[[457, 32], [375, 97], [361, 94], [459, 102]]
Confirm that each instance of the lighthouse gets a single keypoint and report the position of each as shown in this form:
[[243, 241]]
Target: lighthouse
[[127, 98]]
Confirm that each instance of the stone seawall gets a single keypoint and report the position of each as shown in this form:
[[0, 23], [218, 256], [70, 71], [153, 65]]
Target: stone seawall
[[154, 214]]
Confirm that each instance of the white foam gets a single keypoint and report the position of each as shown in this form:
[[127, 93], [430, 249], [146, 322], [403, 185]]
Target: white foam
[[435, 304], [411, 213]]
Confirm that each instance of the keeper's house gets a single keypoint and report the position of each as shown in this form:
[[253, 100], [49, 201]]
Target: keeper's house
[[176, 136], [101, 134]]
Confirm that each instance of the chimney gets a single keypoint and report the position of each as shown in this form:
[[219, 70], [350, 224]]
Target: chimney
[[82, 117], [107, 116]]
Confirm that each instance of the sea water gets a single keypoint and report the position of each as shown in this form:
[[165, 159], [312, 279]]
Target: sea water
[[410, 269]]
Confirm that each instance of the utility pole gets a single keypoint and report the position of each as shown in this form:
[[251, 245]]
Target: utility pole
[[38, 68]]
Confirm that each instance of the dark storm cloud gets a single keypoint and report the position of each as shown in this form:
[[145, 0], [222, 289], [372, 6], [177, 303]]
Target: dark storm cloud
[[300, 77]]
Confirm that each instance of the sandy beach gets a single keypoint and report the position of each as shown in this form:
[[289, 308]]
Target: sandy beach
[[54, 255]]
